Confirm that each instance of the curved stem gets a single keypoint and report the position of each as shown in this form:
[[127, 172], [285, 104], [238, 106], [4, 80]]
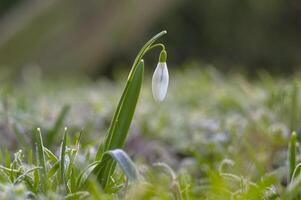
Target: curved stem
[[145, 48], [154, 46], [150, 47], [116, 136], [296, 172]]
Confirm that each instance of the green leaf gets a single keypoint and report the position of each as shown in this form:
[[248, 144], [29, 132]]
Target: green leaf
[[294, 107], [25, 174], [36, 174], [292, 155], [126, 112], [54, 168], [7, 157], [121, 124], [41, 160], [62, 158], [1, 156], [293, 190], [30, 157], [22, 140], [53, 133], [296, 172], [50, 155], [174, 186], [9, 170], [77, 195], [72, 180], [82, 178], [125, 163]]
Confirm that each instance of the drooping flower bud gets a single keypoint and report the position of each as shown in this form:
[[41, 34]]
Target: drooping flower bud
[[160, 78]]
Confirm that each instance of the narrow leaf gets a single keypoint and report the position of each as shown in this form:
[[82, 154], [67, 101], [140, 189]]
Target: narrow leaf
[[77, 195], [7, 157], [81, 180], [21, 138], [25, 174], [62, 158], [53, 133], [294, 107], [125, 163], [41, 159], [292, 155], [50, 155], [119, 129], [293, 190], [53, 169]]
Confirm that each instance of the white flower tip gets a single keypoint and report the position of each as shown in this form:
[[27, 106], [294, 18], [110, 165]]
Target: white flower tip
[[160, 82]]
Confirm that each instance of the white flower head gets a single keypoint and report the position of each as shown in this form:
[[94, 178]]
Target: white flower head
[[160, 78]]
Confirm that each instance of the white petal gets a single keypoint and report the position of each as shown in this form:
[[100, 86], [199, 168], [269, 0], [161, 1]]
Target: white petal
[[160, 82]]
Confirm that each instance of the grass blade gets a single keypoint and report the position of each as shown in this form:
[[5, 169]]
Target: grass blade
[[174, 186], [24, 175], [50, 155], [7, 157], [53, 133], [294, 107], [296, 172], [82, 178], [1, 156], [41, 160], [8, 170], [20, 137], [293, 190], [55, 167], [292, 155], [36, 174], [62, 158], [77, 195]]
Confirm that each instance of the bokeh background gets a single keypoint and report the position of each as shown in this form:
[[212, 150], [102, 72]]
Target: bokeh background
[[234, 93], [97, 37]]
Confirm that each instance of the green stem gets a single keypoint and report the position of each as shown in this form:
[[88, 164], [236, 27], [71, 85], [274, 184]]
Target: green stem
[[122, 118], [154, 46], [146, 48]]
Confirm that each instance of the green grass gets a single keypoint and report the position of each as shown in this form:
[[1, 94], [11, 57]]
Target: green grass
[[224, 137], [217, 136]]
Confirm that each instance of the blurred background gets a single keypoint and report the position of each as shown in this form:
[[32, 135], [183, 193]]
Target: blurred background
[[96, 37], [234, 90]]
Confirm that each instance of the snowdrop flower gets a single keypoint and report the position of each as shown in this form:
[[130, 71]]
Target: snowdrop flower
[[160, 78]]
